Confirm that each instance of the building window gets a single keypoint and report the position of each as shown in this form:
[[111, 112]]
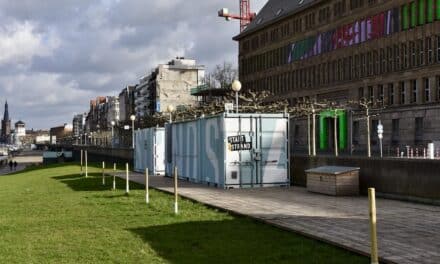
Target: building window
[[373, 132], [402, 92], [429, 49], [361, 93], [404, 51], [418, 130], [438, 87], [415, 90], [421, 53], [438, 48], [389, 66], [395, 131], [355, 132], [397, 64], [427, 90], [412, 50], [381, 94], [370, 94], [390, 94]]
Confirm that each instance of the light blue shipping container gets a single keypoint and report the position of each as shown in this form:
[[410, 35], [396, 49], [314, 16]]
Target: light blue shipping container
[[230, 150], [149, 150]]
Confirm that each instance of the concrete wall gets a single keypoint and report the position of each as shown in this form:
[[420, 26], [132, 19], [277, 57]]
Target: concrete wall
[[409, 179], [109, 155]]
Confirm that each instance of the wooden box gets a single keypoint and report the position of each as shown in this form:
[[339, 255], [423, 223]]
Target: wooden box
[[333, 180]]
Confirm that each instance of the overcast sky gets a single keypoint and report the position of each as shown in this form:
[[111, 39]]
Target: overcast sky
[[56, 55]]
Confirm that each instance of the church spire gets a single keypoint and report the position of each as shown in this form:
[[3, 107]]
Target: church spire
[[6, 115]]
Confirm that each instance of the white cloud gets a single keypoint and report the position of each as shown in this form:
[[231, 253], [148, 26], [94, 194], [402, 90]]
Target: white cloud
[[57, 55], [19, 43]]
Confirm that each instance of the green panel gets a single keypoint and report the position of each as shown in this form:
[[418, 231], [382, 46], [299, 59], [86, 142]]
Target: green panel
[[421, 6], [405, 17], [437, 10], [342, 130], [413, 10], [430, 11], [323, 144]]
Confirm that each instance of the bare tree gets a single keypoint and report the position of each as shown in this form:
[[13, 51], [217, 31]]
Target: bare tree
[[369, 106], [222, 76]]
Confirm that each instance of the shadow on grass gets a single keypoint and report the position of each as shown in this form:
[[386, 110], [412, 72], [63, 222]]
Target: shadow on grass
[[240, 240], [94, 182]]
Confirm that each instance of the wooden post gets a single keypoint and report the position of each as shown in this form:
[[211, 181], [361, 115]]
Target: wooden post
[[373, 232], [127, 186], [335, 132], [103, 173], [368, 134], [114, 176], [82, 162], [147, 193], [308, 134], [176, 207], [87, 174]]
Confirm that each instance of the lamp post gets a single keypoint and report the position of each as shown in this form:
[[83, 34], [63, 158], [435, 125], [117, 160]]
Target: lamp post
[[236, 87], [170, 110], [380, 135], [132, 118], [113, 132]]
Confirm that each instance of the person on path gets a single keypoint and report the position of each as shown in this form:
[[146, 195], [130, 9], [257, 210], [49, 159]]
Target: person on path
[[15, 165], [10, 165]]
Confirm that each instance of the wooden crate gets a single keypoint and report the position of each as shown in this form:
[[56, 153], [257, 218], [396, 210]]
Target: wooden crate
[[333, 180]]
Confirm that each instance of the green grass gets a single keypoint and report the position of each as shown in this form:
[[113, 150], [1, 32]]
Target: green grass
[[52, 215]]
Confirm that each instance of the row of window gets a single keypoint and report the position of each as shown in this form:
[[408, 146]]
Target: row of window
[[377, 26], [406, 92], [397, 57], [296, 26], [395, 132]]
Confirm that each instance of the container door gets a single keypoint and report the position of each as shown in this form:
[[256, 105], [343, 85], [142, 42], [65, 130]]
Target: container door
[[240, 136], [273, 161], [159, 151]]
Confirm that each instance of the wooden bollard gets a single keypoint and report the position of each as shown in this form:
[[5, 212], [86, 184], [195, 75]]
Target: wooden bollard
[[87, 174], [103, 173], [82, 162], [176, 206], [147, 194], [114, 176], [373, 231], [127, 185]]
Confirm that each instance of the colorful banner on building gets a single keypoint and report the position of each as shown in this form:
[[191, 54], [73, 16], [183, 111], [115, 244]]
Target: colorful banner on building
[[370, 28]]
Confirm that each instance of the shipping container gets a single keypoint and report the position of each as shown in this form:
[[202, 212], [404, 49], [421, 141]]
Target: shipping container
[[149, 150], [230, 150]]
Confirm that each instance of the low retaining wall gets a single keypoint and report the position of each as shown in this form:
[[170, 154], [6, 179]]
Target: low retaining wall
[[407, 179], [109, 155]]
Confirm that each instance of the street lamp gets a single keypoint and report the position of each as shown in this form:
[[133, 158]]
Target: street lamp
[[170, 110], [236, 87], [113, 131], [132, 118], [380, 135]]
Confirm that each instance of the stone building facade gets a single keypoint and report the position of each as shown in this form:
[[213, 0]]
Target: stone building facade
[[170, 84], [384, 51]]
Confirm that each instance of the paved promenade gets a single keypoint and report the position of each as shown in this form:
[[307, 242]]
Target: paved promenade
[[407, 232]]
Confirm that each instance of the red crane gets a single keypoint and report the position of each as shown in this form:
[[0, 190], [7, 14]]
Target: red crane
[[245, 17]]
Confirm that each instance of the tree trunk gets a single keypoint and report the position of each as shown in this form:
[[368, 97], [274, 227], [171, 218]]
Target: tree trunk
[[368, 134]]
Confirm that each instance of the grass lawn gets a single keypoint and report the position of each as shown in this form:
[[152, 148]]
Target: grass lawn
[[52, 215]]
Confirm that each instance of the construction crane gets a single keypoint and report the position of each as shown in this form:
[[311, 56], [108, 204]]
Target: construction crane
[[245, 17]]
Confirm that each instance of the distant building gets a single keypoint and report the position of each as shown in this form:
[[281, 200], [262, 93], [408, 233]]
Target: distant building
[[20, 129], [126, 103], [169, 84], [113, 110], [6, 126], [58, 134], [78, 124]]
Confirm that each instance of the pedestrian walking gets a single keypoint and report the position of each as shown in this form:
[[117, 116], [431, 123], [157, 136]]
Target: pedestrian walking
[[10, 165], [15, 165]]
